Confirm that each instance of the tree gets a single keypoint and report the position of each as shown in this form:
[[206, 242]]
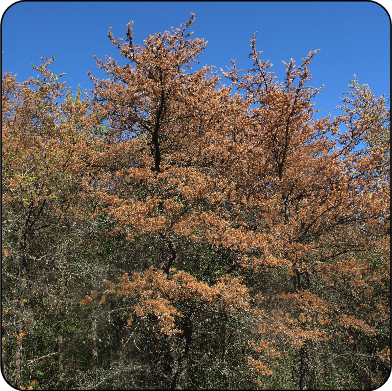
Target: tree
[[43, 223], [323, 204], [260, 182], [165, 119], [201, 235]]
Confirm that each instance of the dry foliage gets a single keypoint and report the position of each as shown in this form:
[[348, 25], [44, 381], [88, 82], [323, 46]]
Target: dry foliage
[[250, 211]]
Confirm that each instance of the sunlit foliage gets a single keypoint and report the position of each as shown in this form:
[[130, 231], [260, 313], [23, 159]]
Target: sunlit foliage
[[170, 231]]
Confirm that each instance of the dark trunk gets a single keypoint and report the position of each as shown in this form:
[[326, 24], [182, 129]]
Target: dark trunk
[[303, 367], [180, 364]]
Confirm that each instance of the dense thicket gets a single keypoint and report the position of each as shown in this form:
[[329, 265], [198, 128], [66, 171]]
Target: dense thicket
[[172, 232]]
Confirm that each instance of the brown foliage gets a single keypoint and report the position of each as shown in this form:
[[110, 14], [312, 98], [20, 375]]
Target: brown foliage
[[252, 172], [256, 210]]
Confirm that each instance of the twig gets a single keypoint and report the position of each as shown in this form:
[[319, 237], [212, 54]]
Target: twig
[[39, 358]]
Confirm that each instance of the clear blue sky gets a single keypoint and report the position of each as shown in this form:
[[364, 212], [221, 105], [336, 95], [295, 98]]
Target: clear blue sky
[[354, 37]]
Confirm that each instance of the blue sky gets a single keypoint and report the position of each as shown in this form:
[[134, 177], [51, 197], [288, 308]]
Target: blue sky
[[354, 37]]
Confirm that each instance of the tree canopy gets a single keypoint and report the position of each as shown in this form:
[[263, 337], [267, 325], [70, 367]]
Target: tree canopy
[[170, 231]]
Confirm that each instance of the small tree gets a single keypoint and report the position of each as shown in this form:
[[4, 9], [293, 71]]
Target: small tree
[[43, 223], [252, 176]]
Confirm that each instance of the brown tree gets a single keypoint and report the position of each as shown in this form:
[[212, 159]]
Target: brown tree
[[323, 204], [227, 237], [44, 220], [287, 200]]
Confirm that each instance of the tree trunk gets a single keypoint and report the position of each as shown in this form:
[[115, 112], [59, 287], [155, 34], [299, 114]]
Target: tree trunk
[[18, 360], [303, 367], [20, 292], [180, 366]]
